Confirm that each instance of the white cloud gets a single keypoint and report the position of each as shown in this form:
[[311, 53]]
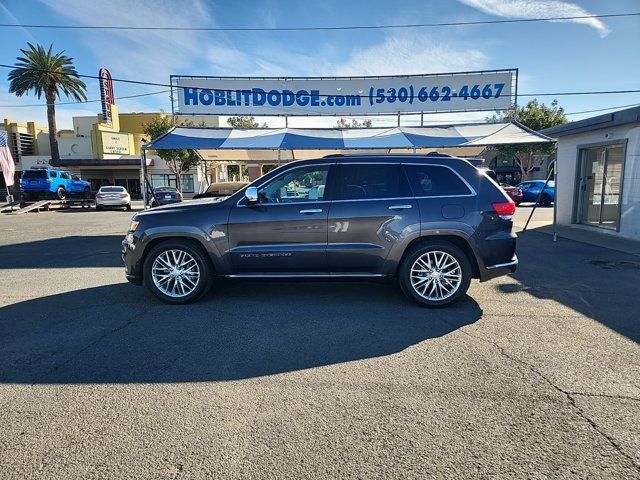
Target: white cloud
[[404, 55], [141, 54], [538, 9]]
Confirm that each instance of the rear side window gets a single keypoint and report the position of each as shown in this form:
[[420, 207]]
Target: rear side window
[[35, 174], [65, 175], [435, 181], [53, 174], [369, 181]]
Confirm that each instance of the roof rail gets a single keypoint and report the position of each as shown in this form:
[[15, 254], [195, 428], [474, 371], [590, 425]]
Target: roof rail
[[381, 154]]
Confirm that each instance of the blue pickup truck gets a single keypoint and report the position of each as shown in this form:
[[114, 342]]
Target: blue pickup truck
[[51, 182]]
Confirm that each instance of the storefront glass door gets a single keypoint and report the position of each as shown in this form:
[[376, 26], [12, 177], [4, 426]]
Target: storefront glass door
[[600, 186]]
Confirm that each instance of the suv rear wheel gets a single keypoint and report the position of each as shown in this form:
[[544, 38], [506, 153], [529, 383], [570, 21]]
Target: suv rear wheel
[[177, 272], [435, 273], [61, 193]]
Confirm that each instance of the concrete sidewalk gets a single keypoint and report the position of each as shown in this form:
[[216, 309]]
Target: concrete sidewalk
[[542, 221]]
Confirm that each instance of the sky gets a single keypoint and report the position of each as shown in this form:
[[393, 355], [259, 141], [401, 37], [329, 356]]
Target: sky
[[579, 55]]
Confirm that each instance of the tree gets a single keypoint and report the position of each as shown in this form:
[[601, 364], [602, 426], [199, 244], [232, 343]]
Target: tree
[[47, 74], [178, 160], [536, 117], [342, 123], [244, 122]]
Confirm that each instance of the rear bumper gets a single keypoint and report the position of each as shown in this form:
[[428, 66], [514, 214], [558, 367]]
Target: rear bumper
[[112, 203], [500, 269]]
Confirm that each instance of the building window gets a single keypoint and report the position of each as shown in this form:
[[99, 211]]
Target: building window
[[164, 180], [267, 168], [167, 180], [187, 183], [237, 173]]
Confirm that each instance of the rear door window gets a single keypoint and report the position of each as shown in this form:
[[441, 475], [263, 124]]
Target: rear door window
[[435, 181], [371, 181], [35, 174], [65, 175], [53, 174]]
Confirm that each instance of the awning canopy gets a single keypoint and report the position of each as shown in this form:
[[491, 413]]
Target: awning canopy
[[207, 138]]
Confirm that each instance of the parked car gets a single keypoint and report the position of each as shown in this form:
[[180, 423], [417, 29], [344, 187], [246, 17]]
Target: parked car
[[430, 221], [221, 189], [514, 193], [113, 196], [165, 196], [531, 189], [51, 182]]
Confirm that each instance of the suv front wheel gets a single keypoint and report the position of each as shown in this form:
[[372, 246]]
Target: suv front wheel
[[177, 272], [435, 273]]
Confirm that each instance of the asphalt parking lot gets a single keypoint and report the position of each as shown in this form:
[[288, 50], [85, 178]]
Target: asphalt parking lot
[[530, 376]]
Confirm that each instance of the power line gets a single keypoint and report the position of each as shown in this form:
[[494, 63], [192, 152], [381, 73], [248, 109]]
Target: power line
[[316, 28], [155, 84], [85, 101], [604, 109], [560, 94]]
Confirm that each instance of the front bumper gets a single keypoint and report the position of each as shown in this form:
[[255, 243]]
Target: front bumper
[[132, 260]]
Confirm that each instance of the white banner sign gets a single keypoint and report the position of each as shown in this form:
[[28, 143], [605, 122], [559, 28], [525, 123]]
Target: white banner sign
[[343, 96], [115, 143]]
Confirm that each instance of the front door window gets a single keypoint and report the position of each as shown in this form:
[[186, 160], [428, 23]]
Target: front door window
[[297, 185]]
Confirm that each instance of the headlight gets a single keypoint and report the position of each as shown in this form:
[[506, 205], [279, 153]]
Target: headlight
[[134, 225]]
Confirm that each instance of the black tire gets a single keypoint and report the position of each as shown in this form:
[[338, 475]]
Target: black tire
[[25, 196], [153, 204], [86, 193], [198, 254], [545, 200], [410, 257], [61, 193], [99, 207], [128, 207]]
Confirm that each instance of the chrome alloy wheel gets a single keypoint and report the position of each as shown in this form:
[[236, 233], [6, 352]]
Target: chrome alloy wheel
[[175, 273], [436, 275]]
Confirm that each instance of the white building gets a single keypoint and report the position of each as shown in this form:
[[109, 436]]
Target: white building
[[598, 184]]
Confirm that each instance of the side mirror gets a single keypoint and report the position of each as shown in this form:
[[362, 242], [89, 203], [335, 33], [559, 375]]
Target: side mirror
[[251, 194]]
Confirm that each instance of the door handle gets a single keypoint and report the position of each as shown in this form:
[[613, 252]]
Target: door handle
[[311, 210], [399, 207]]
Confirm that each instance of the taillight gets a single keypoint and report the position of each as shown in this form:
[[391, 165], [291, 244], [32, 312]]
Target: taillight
[[123, 195], [99, 196], [504, 209]]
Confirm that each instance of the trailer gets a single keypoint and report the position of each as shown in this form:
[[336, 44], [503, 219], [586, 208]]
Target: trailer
[[42, 205]]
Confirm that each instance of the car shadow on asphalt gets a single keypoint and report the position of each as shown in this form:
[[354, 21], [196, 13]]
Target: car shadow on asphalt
[[597, 282], [120, 334], [74, 251]]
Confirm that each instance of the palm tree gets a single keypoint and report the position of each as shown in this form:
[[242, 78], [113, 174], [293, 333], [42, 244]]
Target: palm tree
[[43, 72]]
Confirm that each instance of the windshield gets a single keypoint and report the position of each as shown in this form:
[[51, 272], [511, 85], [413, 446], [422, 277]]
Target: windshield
[[35, 174], [112, 190]]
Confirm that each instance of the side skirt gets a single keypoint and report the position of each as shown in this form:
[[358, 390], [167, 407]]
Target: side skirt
[[306, 275]]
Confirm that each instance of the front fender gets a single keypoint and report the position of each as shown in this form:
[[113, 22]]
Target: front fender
[[209, 240]]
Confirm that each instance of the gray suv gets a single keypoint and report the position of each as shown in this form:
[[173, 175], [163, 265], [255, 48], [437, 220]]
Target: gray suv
[[433, 221]]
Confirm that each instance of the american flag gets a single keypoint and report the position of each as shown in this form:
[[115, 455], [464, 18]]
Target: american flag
[[6, 160]]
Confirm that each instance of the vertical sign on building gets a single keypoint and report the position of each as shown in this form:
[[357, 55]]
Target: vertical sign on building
[[106, 93]]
